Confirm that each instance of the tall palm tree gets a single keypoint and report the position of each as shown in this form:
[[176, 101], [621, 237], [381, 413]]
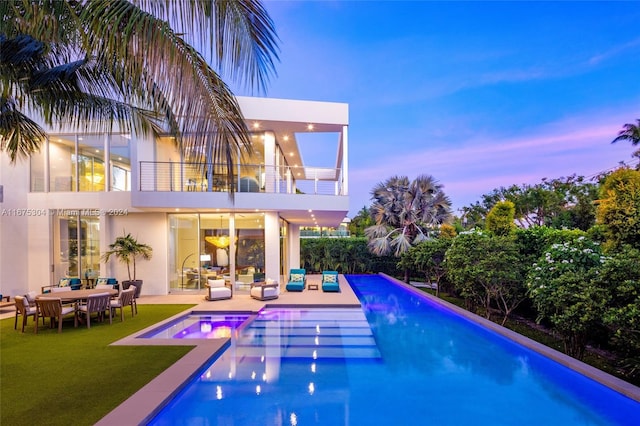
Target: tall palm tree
[[405, 213], [102, 64]]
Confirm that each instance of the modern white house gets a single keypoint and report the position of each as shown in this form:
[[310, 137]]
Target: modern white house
[[60, 210]]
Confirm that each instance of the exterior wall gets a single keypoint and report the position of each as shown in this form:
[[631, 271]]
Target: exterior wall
[[294, 247], [14, 228], [147, 228]]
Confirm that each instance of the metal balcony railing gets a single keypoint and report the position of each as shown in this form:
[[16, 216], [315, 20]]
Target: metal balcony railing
[[158, 176]]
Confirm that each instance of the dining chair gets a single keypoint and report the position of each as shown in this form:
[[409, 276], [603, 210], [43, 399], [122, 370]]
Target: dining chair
[[23, 308], [51, 307], [134, 304], [96, 303], [125, 298], [60, 289], [103, 287]]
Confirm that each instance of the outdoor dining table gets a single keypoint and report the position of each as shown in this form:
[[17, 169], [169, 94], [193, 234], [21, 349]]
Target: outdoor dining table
[[77, 295]]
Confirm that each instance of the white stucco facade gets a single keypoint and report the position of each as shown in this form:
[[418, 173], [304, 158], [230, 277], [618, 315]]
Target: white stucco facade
[[56, 221]]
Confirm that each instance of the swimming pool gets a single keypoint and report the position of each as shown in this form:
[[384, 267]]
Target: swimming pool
[[400, 360], [199, 326]]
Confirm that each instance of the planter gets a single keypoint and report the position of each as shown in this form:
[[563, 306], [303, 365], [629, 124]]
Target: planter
[[137, 284]]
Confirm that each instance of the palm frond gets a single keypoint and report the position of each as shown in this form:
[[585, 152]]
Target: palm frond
[[379, 246], [203, 106], [239, 36], [50, 21], [19, 135], [630, 132], [401, 244]]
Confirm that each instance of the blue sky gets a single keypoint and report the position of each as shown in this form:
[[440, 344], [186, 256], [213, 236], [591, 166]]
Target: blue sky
[[477, 94]]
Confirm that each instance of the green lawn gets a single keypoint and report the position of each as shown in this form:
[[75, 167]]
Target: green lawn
[[75, 377]]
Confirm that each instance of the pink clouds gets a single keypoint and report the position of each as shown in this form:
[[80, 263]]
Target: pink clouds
[[579, 146]]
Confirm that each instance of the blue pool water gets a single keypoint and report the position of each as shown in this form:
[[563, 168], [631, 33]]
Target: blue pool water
[[199, 326], [400, 360]]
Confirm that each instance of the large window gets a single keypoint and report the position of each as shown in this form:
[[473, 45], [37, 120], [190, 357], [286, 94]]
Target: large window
[[183, 251], [120, 163], [78, 163], [62, 164], [201, 247], [91, 172], [76, 245], [249, 253], [37, 160]]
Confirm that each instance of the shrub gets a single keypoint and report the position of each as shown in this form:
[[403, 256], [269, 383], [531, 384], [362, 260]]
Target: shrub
[[563, 287], [487, 271]]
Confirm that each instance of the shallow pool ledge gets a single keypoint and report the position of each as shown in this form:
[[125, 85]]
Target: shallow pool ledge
[[600, 376]]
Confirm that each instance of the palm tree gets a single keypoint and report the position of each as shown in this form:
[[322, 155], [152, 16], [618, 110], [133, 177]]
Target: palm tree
[[629, 132], [127, 249], [406, 213], [99, 64]]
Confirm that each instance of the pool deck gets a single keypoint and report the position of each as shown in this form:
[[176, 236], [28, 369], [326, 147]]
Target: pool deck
[[142, 405]]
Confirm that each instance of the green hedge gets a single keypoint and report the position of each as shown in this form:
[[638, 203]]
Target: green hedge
[[345, 255]]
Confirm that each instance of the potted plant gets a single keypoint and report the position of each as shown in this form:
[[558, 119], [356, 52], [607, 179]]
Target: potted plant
[[127, 249]]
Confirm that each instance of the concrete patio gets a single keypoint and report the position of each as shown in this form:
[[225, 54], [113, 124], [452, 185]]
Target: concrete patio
[[241, 301]]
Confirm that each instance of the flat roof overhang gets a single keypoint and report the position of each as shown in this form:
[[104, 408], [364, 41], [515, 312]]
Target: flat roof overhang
[[319, 210]]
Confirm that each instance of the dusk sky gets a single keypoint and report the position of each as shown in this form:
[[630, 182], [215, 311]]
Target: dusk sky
[[477, 94]]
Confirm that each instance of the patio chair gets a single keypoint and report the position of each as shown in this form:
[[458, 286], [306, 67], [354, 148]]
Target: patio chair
[[51, 307], [60, 289], [96, 303], [102, 282], [330, 281], [23, 308], [74, 283], [125, 298], [265, 291], [297, 280], [105, 287], [218, 290]]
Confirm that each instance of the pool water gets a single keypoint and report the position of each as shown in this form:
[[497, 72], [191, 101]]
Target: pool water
[[400, 360], [199, 326]]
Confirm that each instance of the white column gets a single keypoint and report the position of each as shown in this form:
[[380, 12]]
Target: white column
[[345, 160], [270, 162], [271, 246], [107, 162], [294, 246]]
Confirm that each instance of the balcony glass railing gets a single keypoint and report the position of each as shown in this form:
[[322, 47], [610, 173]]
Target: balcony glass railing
[[194, 177]]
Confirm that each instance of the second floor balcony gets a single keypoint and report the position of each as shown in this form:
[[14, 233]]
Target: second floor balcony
[[198, 177]]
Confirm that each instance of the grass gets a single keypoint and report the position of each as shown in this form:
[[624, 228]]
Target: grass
[[75, 377]]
